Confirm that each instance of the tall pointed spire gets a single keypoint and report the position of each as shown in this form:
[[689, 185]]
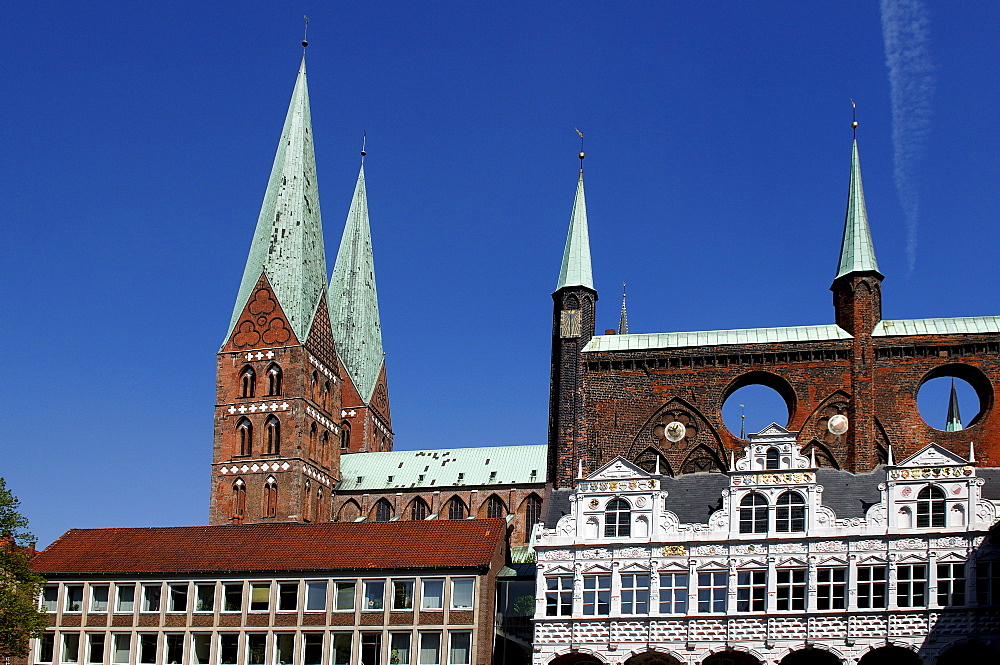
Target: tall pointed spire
[[857, 254], [623, 319], [288, 242], [954, 422], [575, 269], [353, 298]]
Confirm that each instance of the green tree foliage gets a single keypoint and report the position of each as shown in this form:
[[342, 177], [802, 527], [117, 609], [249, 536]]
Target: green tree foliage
[[20, 587]]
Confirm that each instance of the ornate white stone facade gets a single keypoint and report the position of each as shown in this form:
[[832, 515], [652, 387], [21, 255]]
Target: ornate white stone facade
[[772, 574]]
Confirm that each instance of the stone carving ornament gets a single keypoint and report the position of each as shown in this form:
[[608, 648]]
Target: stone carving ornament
[[676, 429]]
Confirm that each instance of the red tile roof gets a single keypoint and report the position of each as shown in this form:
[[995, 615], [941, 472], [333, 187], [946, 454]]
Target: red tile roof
[[275, 547]]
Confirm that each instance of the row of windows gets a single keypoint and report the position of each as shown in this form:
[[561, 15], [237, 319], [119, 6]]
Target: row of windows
[[370, 648], [456, 509], [272, 436], [789, 513], [711, 588], [281, 596], [248, 381]]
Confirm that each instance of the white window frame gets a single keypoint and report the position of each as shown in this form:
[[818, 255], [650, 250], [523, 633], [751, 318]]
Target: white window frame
[[634, 596], [455, 581], [791, 590], [675, 600], [424, 596], [708, 581], [877, 578], [831, 590], [93, 597], [751, 589], [366, 598], [559, 596], [452, 634], [595, 587], [911, 585]]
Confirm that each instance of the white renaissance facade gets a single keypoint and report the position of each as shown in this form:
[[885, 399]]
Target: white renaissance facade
[[776, 561]]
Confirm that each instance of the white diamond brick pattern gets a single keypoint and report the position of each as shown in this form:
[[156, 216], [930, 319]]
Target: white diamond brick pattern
[[322, 368], [827, 628], [907, 625], [262, 408], [321, 419], [747, 629], [867, 626], [628, 631], [668, 631], [591, 632], [553, 632], [708, 629], [788, 628]]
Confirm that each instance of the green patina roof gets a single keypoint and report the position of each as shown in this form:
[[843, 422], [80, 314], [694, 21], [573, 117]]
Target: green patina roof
[[575, 269], [494, 466], [967, 324], [715, 338], [353, 299], [288, 241], [857, 254]]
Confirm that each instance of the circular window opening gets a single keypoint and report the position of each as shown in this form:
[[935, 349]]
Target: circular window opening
[[752, 408], [948, 403]]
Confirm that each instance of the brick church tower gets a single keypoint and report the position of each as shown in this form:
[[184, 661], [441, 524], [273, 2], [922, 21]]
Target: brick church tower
[[279, 379]]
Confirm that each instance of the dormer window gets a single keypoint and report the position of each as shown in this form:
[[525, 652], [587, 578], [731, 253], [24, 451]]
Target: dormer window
[[618, 519], [773, 459], [930, 507]]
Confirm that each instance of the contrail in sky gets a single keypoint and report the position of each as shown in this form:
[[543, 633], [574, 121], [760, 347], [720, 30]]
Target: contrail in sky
[[905, 28]]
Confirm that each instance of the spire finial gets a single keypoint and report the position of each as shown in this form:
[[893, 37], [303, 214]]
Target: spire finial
[[854, 118], [582, 154], [364, 140], [623, 319], [743, 422], [305, 32]]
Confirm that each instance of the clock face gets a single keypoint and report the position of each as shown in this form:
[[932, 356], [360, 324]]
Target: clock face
[[675, 431], [837, 424]]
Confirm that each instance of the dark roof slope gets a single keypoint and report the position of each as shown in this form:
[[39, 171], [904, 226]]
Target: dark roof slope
[[275, 547], [991, 482], [695, 496], [850, 494], [558, 506]]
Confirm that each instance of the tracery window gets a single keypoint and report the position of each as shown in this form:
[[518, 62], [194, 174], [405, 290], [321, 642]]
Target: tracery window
[[617, 519], [773, 459], [532, 512], [345, 435], [272, 435], [239, 499], [418, 510], [495, 507], [271, 498], [930, 507], [274, 380], [383, 511], [753, 513], [790, 514], [457, 509], [248, 382], [244, 430]]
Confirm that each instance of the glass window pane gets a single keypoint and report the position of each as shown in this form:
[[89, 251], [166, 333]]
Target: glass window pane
[[432, 595], [342, 648], [402, 594], [256, 647], [312, 649], [399, 648], [74, 597], [233, 597], [175, 648], [98, 597], [147, 648], [95, 648], [284, 648], [430, 648], [345, 595], [288, 596], [50, 598], [150, 597], [178, 597], [461, 648], [260, 597], [228, 648], [205, 601], [201, 648], [71, 648], [126, 599], [122, 648], [461, 593], [374, 595], [46, 647]]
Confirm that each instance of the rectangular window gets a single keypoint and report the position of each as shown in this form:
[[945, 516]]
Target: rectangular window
[[125, 601], [205, 598], [712, 591], [98, 597], [399, 648], [342, 646], [345, 592], [831, 588], [71, 648], [871, 586], [635, 594], [461, 593], [229, 647], [178, 597], [374, 595], [147, 648], [460, 648], [74, 598], [988, 583], [232, 597], [950, 584], [46, 647], [673, 593], [559, 596], [312, 648], [316, 597], [50, 597], [751, 587], [284, 648], [430, 648], [911, 585], [256, 648], [371, 648], [432, 595], [95, 648], [260, 597], [122, 648], [791, 588], [174, 643], [402, 594], [201, 648], [288, 596], [596, 595], [150, 597]]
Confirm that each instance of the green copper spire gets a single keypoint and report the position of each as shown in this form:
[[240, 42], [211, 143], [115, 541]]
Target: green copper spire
[[856, 251], [954, 422], [575, 269], [288, 242], [353, 299]]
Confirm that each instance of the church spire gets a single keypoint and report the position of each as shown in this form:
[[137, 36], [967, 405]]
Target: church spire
[[623, 319], [288, 242], [857, 254], [575, 269], [353, 298], [954, 422]]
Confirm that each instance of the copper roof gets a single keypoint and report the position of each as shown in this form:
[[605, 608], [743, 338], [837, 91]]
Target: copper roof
[[275, 547]]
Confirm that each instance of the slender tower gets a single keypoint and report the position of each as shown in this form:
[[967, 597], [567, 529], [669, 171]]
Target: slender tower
[[278, 381], [572, 327], [364, 420]]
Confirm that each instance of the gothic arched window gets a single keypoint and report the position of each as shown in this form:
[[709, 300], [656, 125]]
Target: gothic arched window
[[532, 511], [753, 513], [239, 499], [773, 460], [383, 511], [617, 519], [495, 507], [418, 510], [790, 514], [457, 509], [345, 435], [274, 380], [930, 507], [248, 382], [271, 497], [272, 435], [307, 503], [244, 431]]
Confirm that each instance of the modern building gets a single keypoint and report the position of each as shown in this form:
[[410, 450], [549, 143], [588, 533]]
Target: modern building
[[774, 561]]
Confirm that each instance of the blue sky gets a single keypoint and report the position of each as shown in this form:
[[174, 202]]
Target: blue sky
[[139, 137]]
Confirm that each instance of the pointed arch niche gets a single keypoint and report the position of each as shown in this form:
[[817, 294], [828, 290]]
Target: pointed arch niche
[[673, 433]]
